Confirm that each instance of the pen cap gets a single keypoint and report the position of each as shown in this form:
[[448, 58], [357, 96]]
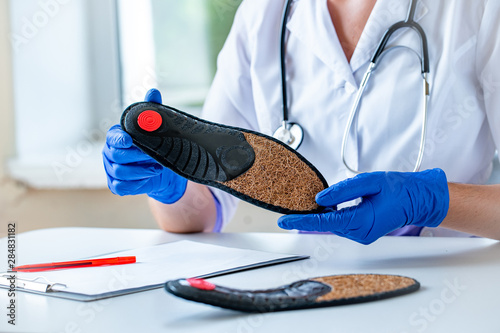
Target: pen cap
[[125, 260]]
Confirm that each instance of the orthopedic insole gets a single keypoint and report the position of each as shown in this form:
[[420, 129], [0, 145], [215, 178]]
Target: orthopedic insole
[[249, 165], [312, 293]]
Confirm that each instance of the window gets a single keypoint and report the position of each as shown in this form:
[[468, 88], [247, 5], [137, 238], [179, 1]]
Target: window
[[65, 79], [77, 63], [186, 38]]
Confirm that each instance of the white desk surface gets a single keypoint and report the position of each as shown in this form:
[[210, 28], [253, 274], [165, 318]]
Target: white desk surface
[[460, 289]]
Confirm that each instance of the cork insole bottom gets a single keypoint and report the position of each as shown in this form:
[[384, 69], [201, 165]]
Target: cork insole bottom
[[325, 291], [278, 177], [361, 285]]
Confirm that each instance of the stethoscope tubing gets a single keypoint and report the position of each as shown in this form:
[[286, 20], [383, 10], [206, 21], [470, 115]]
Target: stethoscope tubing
[[409, 22], [284, 90], [424, 61]]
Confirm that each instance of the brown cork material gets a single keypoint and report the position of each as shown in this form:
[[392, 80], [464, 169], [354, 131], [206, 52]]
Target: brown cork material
[[362, 285], [278, 177]]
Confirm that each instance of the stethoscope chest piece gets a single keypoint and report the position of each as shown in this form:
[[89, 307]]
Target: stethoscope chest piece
[[290, 133]]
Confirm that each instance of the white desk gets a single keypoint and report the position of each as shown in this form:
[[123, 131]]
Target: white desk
[[460, 285]]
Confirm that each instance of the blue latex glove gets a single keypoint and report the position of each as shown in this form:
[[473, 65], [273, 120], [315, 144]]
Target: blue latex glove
[[130, 171], [390, 200]]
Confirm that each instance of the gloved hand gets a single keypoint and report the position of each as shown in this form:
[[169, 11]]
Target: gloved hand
[[390, 200], [130, 171]]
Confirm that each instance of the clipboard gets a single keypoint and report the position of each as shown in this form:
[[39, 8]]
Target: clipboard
[[155, 265]]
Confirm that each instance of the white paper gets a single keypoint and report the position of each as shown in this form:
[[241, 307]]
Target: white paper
[[155, 265]]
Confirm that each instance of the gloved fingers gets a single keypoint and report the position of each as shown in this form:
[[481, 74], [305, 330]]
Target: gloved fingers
[[153, 95], [355, 223], [362, 185], [110, 185], [118, 138], [329, 221], [168, 188], [132, 171], [124, 187], [309, 222], [158, 186], [125, 156], [358, 223]]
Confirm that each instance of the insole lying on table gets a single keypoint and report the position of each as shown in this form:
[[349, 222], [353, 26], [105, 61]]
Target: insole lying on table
[[312, 293]]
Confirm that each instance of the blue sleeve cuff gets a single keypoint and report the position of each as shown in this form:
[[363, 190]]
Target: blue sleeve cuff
[[218, 220]]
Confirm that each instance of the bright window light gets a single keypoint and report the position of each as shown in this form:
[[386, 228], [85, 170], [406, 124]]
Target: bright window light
[[173, 45], [78, 63]]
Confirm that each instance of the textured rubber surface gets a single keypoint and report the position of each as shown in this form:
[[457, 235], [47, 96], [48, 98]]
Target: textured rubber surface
[[318, 292], [218, 156], [191, 147]]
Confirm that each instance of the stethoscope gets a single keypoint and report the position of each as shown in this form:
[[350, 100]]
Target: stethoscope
[[293, 134]]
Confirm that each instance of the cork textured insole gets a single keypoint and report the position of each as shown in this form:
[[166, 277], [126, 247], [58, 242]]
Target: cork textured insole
[[323, 291], [362, 285], [249, 165], [278, 177]]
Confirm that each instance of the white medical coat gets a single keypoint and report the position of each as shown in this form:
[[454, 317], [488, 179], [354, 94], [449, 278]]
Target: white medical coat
[[464, 105]]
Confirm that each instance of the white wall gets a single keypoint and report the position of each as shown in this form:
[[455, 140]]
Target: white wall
[[7, 123]]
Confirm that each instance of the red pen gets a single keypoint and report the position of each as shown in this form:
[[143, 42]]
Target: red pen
[[75, 264]]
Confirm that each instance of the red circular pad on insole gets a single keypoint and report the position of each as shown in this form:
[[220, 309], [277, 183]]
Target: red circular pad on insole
[[149, 120], [200, 284]]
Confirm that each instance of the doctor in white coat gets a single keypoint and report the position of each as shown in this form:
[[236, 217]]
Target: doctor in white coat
[[329, 45]]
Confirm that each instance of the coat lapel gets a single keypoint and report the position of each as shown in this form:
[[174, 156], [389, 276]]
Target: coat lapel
[[310, 23]]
